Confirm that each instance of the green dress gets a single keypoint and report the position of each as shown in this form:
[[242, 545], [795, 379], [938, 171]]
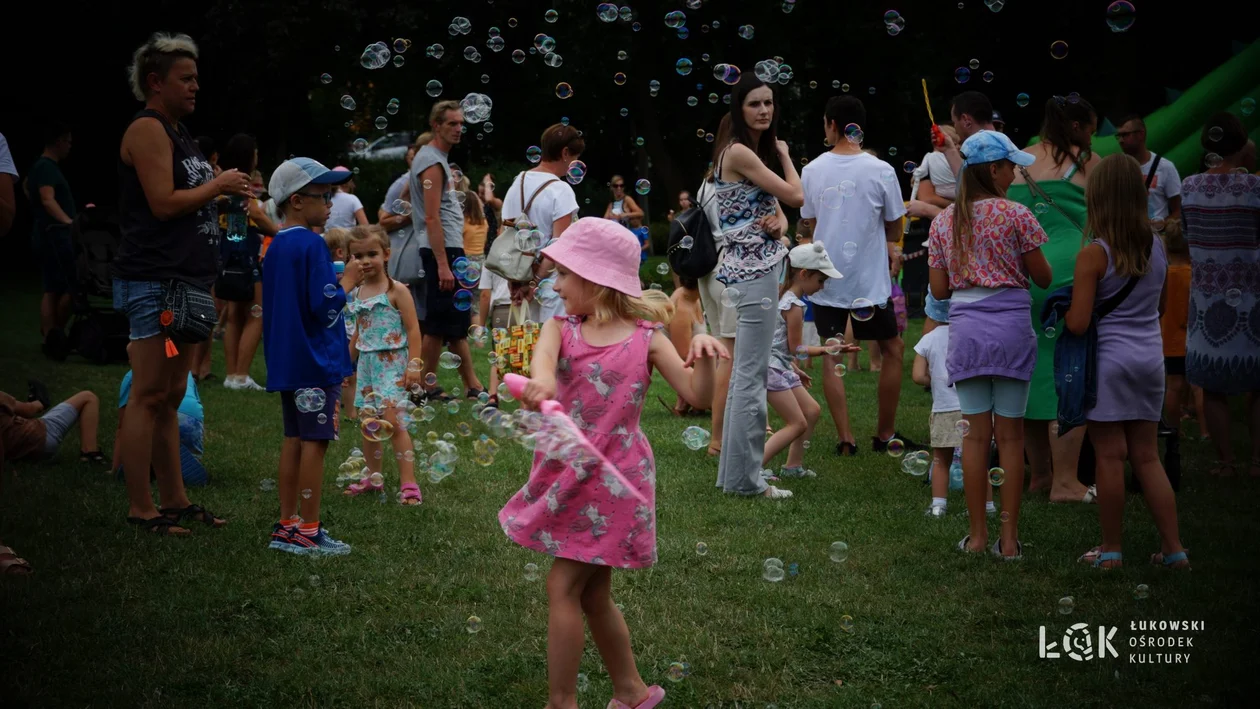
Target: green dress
[[1065, 241]]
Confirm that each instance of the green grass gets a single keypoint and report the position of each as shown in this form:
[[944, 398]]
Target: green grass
[[116, 618]]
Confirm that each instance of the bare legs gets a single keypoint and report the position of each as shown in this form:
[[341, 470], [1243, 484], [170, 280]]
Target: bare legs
[[721, 385], [1114, 441], [1054, 457], [799, 412], [1010, 439], [54, 312], [837, 401], [575, 589], [890, 372], [242, 334], [150, 431], [430, 349]]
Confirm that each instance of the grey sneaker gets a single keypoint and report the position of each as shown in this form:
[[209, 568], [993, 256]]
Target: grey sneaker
[[799, 471], [935, 511]]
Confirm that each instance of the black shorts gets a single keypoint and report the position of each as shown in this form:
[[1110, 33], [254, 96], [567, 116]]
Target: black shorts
[[56, 259], [1175, 366], [441, 316], [831, 322]]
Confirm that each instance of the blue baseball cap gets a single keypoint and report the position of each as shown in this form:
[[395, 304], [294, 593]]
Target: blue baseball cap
[[990, 146], [295, 173]]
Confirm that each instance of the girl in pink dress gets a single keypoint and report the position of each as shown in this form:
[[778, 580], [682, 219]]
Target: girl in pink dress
[[598, 363]]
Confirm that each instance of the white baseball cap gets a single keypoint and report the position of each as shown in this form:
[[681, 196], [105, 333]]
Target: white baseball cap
[[295, 173], [814, 257]]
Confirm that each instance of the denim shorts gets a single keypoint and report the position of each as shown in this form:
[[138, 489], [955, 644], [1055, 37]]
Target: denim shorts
[[141, 302], [57, 423], [1005, 397]]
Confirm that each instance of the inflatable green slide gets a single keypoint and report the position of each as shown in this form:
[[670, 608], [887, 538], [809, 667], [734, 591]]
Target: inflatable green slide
[[1173, 130]]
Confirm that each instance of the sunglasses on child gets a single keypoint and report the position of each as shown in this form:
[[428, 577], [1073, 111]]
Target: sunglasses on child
[[326, 196]]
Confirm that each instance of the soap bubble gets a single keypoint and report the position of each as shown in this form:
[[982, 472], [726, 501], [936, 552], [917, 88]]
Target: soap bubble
[[347, 102], [917, 463], [1120, 16], [642, 186], [896, 447], [401, 207], [533, 154], [551, 16], [563, 90], [840, 370], [607, 12], [862, 309], [1141, 592], [662, 268], [359, 146], [850, 248], [766, 304], [256, 311], [839, 552], [908, 166], [846, 623], [266, 484], [518, 56], [1066, 605], [449, 360], [576, 172], [433, 88], [686, 242], [987, 76], [381, 122], [463, 300], [675, 19], [997, 476], [962, 75], [683, 66], [702, 548], [375, 56], [731, 297], [1059, 49], [474, 624], [772, 570], [1233, 297], [1247, 106], [476, 108], [1021, 100], [746, 31], [677, 671], [727, 74], [695, 437]]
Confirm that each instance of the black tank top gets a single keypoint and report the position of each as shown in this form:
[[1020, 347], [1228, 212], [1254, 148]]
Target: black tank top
[[184, 248]]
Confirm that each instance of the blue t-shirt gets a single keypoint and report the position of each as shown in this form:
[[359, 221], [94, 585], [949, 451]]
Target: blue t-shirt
[[190, 406], [304, 330]]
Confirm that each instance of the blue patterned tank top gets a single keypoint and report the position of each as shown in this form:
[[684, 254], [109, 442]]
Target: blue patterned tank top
[[749, 252]]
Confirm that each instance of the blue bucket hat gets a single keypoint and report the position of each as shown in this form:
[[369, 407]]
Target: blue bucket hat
[[938, 310], [990, 146]]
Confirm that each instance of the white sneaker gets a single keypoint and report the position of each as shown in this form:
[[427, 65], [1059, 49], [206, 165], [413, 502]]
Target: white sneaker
[[935, 511], [231, 382], [248, 384], [775, 493]]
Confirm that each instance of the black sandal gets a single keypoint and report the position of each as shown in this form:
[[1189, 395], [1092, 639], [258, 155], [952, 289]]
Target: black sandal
[[844, 448], [437, 394], [94, 457], [196, 513], [161, 525], [474, 393]]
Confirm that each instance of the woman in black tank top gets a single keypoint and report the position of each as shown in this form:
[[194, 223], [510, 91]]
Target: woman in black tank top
[[170, 232]]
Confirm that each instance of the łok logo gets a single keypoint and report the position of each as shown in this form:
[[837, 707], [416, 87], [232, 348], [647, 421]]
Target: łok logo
[[1078, 643]]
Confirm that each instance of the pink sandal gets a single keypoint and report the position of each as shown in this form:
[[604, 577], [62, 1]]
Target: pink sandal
[[364, 485], [655, 695], [410, 491]]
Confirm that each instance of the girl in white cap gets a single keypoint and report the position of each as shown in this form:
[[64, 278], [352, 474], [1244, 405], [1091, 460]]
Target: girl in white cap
[[597, 361]]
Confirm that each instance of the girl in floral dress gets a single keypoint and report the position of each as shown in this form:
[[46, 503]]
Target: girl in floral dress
[[386, 342], [597, 362]]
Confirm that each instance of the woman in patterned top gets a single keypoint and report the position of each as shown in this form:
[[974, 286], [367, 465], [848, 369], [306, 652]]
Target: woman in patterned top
[[747, 192], [1220, 210]]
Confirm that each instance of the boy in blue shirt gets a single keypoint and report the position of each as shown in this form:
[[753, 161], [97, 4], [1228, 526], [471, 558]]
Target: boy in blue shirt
[[308, 355]]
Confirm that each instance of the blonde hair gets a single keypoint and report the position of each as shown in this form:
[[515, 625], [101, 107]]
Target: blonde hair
[[653, 306], [975, 182], [370, 231], [1115, 205], [1174, 240], [422, 140], [157, 56], [438, 114], [336, 238], [474, 212]]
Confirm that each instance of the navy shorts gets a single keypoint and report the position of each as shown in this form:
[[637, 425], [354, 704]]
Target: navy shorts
[[56, 257], [318, 425], [441, 317]]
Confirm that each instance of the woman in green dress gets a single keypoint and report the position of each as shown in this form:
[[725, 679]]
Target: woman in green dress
[[1057, 197]]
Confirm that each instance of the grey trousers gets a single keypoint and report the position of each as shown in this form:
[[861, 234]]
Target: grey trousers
[[744, 421]]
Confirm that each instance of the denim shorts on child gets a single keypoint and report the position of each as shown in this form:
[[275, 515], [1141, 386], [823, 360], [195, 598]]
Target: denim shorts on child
[[57, 423], [319, 425], [944, 429], [141, 302], [1005, 397]]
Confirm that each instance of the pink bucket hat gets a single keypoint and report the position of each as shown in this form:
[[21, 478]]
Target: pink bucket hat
[[600, 251]]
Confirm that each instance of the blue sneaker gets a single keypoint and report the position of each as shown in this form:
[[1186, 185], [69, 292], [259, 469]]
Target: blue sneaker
[[322, 544], [282, 539]]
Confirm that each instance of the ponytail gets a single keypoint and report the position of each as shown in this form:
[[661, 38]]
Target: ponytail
[[1057, 132]]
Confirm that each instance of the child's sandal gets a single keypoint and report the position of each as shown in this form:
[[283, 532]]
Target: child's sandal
[[94, 457], [410, 495], [364, 485]]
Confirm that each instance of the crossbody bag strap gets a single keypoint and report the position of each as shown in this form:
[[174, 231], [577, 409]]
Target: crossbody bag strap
[[1114, 301], [1150, 176], [543, 186], [1036, 189]]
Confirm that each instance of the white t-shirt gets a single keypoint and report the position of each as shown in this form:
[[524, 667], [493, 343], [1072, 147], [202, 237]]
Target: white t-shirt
[[6, 159], [555, 202], [935, 168], [500, 293], [852, 196], [933, 347], [1165, 186], [341, 215]]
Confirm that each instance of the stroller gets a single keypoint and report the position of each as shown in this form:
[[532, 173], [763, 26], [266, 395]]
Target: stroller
[[96, 331]]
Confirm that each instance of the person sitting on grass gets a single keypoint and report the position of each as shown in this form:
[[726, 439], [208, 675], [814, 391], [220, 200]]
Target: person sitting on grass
[[29, 438], [688, 321], [192, 417]]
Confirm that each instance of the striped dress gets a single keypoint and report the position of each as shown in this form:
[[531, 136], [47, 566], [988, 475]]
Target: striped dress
[[1221, 216]]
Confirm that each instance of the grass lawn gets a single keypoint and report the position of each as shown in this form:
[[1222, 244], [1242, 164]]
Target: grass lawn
[[113, 617]]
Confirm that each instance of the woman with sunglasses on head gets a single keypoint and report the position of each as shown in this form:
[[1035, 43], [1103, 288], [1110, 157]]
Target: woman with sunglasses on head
[[170, 234], [1063, 164], [626, 211], [748, 192]]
